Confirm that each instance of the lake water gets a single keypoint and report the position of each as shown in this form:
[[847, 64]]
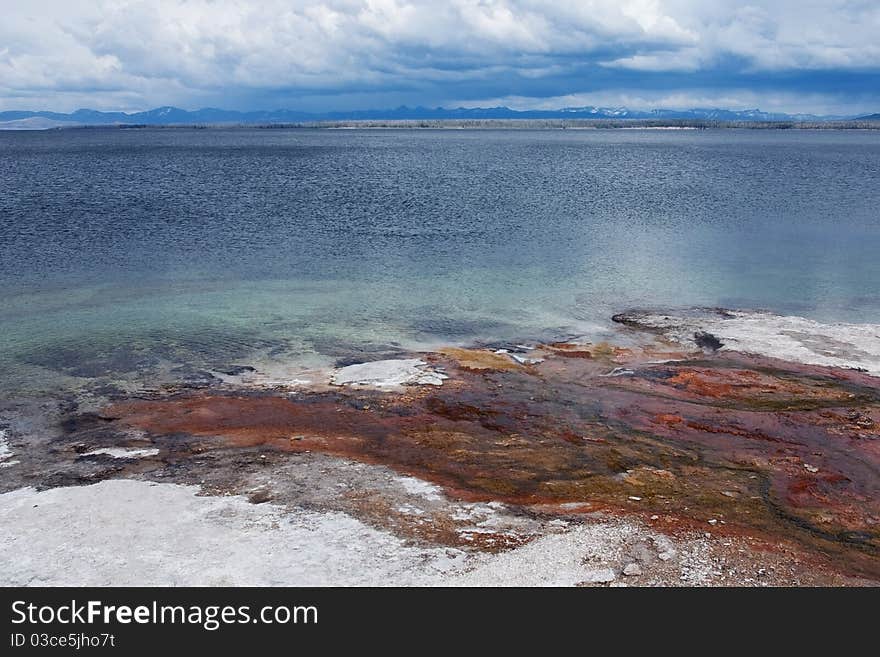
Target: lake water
[[129, 250]]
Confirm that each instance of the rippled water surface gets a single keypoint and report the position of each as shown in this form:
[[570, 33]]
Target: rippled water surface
[[126, 249]]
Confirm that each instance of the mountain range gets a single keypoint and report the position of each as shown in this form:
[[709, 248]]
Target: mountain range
[[20, 119]]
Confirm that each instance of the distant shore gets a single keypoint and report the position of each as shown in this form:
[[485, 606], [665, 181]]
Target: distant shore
[[585, 124], [475, 124]]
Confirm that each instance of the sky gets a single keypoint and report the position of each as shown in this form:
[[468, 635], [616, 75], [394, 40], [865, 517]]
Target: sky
[[804, 56]]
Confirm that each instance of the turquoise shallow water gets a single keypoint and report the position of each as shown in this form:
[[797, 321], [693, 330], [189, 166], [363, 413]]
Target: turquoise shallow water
[[124, 251]]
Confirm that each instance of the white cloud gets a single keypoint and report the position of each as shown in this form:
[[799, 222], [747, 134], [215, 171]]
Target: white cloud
[[686, 59], [146, 52]]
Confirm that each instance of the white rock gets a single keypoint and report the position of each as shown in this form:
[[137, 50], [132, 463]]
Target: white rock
[[430, 379], [123, 453], [5, 452], [421, 488], [665, 548], [137, 533], [632, 569], [127, 533], [786, 337], [522, 360], [388, 373]]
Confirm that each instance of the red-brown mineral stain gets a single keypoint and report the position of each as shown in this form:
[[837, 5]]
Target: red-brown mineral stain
[[728, 437]]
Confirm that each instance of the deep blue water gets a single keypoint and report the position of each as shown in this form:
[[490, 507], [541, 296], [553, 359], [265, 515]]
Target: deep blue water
[[205, 244]]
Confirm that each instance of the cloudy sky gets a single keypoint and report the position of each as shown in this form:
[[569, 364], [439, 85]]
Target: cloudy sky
[[788, 55]]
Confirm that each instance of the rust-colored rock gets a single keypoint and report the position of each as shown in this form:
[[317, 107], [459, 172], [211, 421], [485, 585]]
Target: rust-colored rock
[[570, 350], [480, 359], [756, 445]]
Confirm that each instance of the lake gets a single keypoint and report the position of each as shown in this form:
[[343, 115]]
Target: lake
[[135, 252]]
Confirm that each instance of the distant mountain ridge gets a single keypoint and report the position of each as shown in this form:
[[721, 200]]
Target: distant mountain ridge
[[210, 115]]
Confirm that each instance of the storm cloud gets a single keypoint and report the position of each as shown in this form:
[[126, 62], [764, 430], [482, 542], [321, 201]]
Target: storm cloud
[[807, 56]]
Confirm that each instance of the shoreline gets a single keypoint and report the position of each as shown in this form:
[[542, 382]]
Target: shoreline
[[470, 124], [708, 447]]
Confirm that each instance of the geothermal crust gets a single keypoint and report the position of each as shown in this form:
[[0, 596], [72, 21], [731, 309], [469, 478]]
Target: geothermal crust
[[678, 460]]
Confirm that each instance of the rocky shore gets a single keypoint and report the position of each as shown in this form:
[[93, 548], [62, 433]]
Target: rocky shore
[[684, 453]]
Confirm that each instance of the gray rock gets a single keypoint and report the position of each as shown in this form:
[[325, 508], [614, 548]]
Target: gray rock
[[632, 569]]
